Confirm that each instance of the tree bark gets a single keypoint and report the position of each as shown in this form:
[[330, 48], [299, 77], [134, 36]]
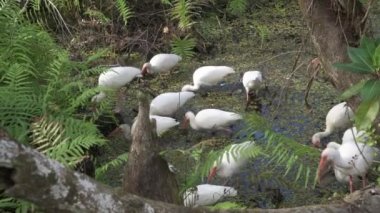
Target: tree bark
[[28, 175], [335, 25], [147, 173]]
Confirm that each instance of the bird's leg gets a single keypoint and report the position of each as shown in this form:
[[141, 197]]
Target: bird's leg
[[247, 103], [351, 184], [364, 181]]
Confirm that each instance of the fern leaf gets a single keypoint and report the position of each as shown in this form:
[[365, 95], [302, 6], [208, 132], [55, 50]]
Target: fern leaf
[[237, 7], [118, 161], [284, 151], [125, 12], [183, 47], [184, 12]]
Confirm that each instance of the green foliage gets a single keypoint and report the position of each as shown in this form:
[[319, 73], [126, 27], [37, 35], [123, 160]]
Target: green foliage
[[237, 7], [97, 15], [39, 89], [365, 60], [118, 161], [47, 11], [19, 206], [184, 12], [228, 205], [263, 32], [183, 46], [294, 157], [125, 12]]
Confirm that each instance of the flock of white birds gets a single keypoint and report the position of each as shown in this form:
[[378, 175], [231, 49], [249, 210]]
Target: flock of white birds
[[349, 160]]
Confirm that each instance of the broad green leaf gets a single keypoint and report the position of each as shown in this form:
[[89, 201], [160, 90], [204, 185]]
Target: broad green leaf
[[376, 57], [361, 56], [368, 45], [353, 90], [371, 90], [366, 113], [354, 67]]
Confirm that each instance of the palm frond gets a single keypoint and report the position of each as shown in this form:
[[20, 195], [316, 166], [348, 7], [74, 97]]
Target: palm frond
[[125, 12]]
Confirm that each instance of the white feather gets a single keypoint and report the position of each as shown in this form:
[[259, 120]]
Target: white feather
[[167, 104], [208, 76], [206, 194]]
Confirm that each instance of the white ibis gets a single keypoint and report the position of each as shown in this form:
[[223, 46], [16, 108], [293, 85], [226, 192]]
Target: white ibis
[[206, 194], [350, 160], [232, 160], [338, 118], [353, 134], [115, 78], [211, 119], [167, 104], [252, 81], [161, 63], [163, 124], [208, 76]]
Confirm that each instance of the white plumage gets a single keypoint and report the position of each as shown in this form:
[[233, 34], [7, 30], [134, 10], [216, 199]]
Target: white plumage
[[208, 76], [161, 63], [338, 118], [346, 159], [167, 104], [232, 161], [114, 78], [163, 124], [252, 81], [206, 194], [211, 119]]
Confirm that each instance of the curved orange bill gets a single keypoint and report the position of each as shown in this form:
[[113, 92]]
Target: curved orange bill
[[323, 168], [212, 174]]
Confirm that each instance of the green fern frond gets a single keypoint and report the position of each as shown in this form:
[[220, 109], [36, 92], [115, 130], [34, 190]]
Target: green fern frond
[[237, 7], [117, 162], [98, 54], [125, 12], [183, 47], [63, 139], [293, 156], [18, 103], [97, 15], [16, 205], [184, 12], [47, 134], [167, 2]]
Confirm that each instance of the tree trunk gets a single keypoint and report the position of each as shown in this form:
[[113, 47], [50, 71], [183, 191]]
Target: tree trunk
[[335, 25], [27, 174], [147, 173]]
